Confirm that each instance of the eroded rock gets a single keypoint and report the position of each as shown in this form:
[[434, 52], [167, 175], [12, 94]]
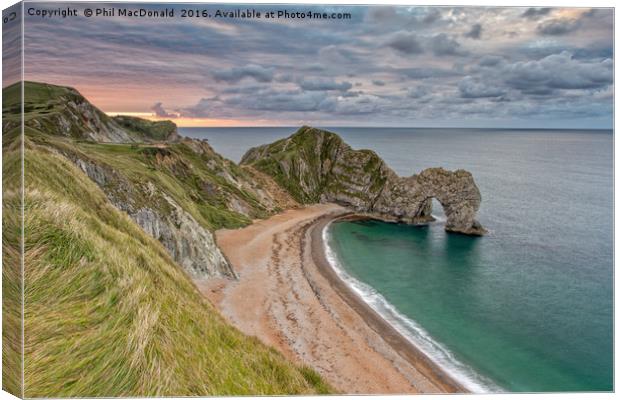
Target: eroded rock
[[188, 243], [318, 166]]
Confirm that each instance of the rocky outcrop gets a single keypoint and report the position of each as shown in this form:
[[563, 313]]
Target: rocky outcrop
[[178, 190], [63, 111], [409, 199], [145, 130], [190, 245], [316, 165]]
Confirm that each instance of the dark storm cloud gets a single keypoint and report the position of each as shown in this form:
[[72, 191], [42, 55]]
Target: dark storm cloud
[[378, 82], [444, 45], [474, 32], [406, 43]]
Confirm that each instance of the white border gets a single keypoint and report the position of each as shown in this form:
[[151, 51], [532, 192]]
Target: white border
[[510, 3]]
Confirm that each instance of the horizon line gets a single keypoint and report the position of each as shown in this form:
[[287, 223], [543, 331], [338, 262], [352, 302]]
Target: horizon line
[[391, 127]]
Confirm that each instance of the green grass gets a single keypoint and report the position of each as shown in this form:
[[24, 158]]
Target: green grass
[[107, 310], [11, 264], [138, 127], [194, 181], [312, 163], [108, 313], [296, 163]]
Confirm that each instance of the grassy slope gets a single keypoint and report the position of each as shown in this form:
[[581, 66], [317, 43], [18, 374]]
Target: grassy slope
[[155, 130], [304, 153], [195, 180], [176, 169], [107, 311], [42, 102], [11, 264], [312, 162]]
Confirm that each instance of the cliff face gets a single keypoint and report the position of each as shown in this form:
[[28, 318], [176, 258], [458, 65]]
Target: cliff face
[[100, 285], [190, 244], [316, 165], [178, 190], [63, 111]]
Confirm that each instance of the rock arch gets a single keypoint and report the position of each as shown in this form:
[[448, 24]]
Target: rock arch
[[458, 195], [314, 165], [410, 200]]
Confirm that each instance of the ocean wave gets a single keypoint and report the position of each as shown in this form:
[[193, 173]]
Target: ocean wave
[[418, 336], [439, 218]]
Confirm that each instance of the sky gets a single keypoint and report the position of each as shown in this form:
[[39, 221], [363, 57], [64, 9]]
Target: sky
[[385, 66]]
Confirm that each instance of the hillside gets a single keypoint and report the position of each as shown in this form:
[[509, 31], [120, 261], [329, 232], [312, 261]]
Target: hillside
[[114, 231], [315, 165], [178, 189]]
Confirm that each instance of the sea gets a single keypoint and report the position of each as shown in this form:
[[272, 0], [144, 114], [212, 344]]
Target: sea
[[526, 308]]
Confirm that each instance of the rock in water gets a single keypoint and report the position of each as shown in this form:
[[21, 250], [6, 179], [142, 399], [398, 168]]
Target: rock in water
[[409, 199], [315, 165]]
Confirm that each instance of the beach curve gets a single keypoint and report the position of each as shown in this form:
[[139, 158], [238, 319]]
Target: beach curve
[[289, 296]]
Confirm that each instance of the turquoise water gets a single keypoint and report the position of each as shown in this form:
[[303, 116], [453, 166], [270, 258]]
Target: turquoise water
[[527, 307]]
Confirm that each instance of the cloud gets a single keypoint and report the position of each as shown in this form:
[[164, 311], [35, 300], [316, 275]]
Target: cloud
[[536, 13], [426, 72], [159, 111], [292, 101], [418, 92], [474, 32], [406, 43], [360, 105], [200, 110], [314, 84], [556, 27], [443, 45], [235, 74], [338, 55], [382, 14], [389, 16], [431, 15], [490, 61], [558, 71], [242, 88], [355, 93], [472, 88], [289, 71]]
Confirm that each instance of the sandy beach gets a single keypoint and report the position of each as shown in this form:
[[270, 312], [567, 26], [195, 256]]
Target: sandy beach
[[289, 297]]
